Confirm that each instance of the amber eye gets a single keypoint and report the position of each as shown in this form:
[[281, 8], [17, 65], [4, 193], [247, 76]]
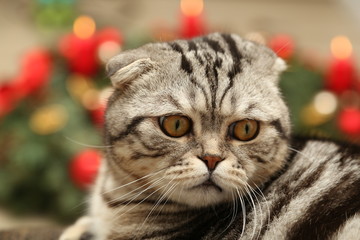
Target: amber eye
[[175, 125], [244, 130]]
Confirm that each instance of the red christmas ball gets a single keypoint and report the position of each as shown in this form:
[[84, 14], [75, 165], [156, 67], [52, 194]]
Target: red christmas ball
[[349, 121], [80, 54], [109, 35], [340, 76], [8, 99], [97, 115], [84, 167], [35, 72], [282, 45]]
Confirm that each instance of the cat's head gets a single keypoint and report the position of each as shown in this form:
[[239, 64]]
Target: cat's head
[[203, 118]]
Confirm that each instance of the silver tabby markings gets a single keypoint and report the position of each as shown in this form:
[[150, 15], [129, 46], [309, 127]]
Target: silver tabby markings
[[199, 147]]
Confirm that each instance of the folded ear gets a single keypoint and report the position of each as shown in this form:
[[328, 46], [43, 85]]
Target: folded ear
[[128, 66]]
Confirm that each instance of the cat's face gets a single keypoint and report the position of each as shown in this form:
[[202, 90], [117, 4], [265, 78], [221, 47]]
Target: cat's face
[[200, 121]]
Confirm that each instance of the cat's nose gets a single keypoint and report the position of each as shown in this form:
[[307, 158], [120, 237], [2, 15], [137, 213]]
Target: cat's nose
[[211, 161]]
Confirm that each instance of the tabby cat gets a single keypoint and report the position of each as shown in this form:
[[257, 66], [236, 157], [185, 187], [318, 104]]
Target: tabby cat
[[199, 146]]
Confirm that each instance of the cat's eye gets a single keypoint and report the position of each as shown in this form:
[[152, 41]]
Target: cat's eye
[[175, 125], [244, 130]]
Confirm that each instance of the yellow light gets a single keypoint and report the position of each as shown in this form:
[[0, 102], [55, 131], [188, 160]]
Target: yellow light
[[90, 100], [78, 85], [48, 119], [84, 27], [341, 47], [192, 7]]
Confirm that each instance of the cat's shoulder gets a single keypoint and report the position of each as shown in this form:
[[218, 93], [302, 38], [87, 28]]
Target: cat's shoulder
[[323, 150], [321, 162]]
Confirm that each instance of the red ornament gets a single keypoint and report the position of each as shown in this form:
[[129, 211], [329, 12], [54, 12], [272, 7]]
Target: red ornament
[[192, 23], [36, 69], [8, 99], [349, 121], [80, 54], [109, 35], [191, 26], [97, 115], [84, 167], [340, 75], [283, 46], [35, 72]]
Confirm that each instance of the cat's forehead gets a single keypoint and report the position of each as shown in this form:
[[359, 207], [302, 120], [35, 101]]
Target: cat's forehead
[[211, 49], [219, 72]]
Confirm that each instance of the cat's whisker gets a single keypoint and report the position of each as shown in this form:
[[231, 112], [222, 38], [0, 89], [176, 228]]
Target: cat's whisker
[[243, 208], [136, 195], [143, 200], [148, 184], [248, 196], [135, 181], [264, 200], [151, 185], [87, 145], [159, 199], [252, 191], [234, 213], [169, 192], [299, 152]]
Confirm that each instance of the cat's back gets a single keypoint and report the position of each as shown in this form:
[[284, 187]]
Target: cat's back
[[317, 196]]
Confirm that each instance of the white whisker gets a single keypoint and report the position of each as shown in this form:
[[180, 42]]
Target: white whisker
[[143, 200], [260, 209], [87, 145], [158, 201], [265, 201], [243, 208], [132, 182]]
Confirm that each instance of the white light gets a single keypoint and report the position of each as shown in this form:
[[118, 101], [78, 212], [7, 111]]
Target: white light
[[107, 50], [325, 102]]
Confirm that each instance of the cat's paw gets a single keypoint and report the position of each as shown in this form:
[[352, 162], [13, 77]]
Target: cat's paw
[[78, 231]]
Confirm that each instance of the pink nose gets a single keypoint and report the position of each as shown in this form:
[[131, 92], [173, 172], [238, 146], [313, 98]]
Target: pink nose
[[211, 161]]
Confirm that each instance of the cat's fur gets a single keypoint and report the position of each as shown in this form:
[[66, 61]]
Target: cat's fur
[[272, 187]]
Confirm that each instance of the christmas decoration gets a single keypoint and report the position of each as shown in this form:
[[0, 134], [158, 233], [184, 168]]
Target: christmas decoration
[[282, 45], [349, 121], [85, 46], [192, 23], [341, 71], [48, 119], [84, 167]]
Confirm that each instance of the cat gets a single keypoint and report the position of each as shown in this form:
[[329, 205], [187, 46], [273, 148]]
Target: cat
[[199, 146]]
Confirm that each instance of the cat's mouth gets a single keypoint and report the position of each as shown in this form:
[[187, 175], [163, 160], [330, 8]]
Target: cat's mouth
[[209, 184]]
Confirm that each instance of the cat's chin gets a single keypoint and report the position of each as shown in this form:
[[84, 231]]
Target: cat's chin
[[204, 195]]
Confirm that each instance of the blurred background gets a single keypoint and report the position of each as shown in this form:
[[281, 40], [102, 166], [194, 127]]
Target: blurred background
[[53, 89]]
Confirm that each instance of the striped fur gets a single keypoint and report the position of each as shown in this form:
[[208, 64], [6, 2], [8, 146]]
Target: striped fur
[[152, 186]]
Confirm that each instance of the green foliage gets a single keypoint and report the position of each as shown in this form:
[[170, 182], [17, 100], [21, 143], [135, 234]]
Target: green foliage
[[34, 169]]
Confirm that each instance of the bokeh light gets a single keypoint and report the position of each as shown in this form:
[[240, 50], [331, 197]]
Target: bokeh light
[[84, 27], [325, 102], [341, 47], [192, 7]]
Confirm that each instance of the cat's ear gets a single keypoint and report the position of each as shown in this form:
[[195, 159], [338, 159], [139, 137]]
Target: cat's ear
[[128, 66], [279, 65]]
